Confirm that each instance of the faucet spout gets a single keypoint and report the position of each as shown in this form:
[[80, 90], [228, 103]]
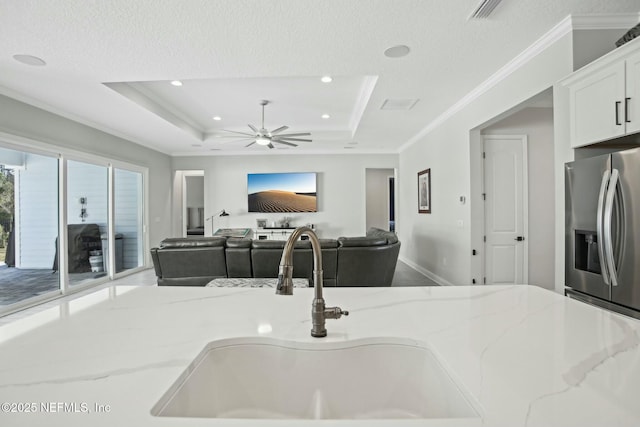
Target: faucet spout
[[319, 313]]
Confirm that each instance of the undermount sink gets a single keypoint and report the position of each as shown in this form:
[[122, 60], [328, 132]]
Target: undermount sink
[[376, 378]]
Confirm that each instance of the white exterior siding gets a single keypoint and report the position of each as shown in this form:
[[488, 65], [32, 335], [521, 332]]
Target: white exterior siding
[[89, 181], [128, 215], [36, 204]]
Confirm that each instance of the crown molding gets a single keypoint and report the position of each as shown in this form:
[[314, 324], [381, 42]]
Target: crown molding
[[564, 27]]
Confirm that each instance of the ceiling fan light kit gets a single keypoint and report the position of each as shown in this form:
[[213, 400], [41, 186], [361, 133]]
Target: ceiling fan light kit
[[262, 141], [264, 137]]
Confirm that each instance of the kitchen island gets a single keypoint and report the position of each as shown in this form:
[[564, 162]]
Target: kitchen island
[[526, 356]]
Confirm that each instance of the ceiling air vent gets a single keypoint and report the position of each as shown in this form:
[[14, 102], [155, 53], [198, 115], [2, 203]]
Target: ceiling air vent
[[484, 9], [398, 104]]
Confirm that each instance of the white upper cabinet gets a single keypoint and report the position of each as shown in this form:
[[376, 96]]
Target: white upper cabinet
[[595, 104], [632, 101], [604, 97]]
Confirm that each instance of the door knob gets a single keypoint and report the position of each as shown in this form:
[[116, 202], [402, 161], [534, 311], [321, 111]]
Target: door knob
[[519, 238]]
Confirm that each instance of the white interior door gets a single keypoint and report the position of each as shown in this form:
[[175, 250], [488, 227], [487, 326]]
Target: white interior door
[[505, 193]]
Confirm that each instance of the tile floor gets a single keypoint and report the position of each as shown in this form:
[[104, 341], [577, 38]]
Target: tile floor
[[16, 284]]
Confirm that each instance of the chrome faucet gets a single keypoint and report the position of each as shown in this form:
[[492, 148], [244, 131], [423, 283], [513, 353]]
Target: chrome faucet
[[285, 281]]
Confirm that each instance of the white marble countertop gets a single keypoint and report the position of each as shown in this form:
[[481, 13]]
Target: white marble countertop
[[528, 356]]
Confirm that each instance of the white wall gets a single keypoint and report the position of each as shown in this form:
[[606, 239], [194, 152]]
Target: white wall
[[537, 124], [23, 120], [589, 45], [434, 243], [341, 188], [195, 191]]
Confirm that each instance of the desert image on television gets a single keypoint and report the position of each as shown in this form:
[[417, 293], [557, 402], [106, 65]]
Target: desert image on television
[[292, 192]]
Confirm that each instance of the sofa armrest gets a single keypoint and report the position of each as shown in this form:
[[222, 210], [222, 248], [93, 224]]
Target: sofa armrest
[[156, 262], [379, 232], [361, 241]]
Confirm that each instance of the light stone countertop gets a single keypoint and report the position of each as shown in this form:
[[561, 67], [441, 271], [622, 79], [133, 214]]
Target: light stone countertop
[[528, 356]]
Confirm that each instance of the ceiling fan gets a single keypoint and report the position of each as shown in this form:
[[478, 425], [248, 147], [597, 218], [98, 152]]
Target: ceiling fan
[[264, 137]]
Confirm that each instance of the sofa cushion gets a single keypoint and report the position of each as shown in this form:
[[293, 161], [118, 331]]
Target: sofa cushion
[[238, 255], [201, 262], [328, 243], [234, 242], [192, 242], [267, 254], [361, 241]]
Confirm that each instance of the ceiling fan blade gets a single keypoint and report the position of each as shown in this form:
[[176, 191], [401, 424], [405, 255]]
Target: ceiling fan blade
[[270, 145], [234, 131], [285, 143], [284, 135], [280, 129], [253, 128], [249, 145], [280, 139]]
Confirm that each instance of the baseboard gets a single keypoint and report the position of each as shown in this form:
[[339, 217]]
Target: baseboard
[[439, 280]]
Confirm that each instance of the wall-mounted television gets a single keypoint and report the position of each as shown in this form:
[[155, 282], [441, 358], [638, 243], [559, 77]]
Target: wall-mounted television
[[282, 192]]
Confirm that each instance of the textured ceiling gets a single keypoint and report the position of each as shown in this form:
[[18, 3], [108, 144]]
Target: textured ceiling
[[233, 53]]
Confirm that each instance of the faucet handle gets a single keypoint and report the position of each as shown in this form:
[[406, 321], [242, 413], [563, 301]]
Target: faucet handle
[[334, 312]]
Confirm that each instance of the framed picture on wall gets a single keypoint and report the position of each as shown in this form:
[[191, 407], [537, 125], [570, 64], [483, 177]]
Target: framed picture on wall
[[424, 191]]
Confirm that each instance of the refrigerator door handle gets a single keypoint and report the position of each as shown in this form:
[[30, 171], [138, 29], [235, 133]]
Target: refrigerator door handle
[[599, 220], [608, 215]]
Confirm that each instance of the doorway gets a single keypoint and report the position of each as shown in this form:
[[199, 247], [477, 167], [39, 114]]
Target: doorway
[[380, 198], [193, 203], [505, 193]]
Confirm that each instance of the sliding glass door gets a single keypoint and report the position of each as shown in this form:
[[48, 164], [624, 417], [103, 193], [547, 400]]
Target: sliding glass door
[[87, 221], [28, 226], [128, 219], [99, 206]]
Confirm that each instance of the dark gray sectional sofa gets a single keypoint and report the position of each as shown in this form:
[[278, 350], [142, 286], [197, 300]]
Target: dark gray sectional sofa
[[347, 261]]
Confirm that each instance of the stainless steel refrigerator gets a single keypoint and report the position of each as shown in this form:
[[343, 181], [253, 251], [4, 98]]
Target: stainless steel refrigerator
[[602, 231]]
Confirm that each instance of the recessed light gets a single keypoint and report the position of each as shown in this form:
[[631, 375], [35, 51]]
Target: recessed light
[[325, 116], [176, 82], [397, 51], [30, 60], [217, 118], [326, 79]]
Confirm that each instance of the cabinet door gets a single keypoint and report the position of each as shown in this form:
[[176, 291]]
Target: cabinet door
[[596, 105], [632, 101]]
